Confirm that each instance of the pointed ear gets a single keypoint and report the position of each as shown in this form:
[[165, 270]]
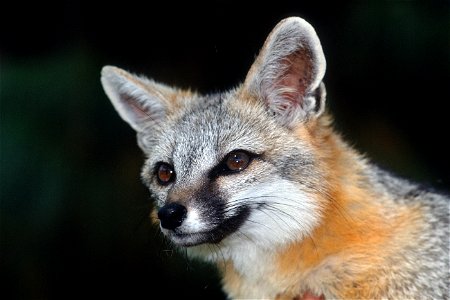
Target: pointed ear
[[287, 74], [138, 100]]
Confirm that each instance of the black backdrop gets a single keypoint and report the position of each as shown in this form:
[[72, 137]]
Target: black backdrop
[[73, 212]]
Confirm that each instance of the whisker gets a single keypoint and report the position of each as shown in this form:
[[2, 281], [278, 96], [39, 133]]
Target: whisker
[[186, 258], [279, 217], [219, 250], [273, 206]]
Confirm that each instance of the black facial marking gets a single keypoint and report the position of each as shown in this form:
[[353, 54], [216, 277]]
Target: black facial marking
[[228, 226], [223, 228], [214, 210]]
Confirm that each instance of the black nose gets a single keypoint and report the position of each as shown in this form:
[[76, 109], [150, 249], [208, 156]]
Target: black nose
[[172, 215]]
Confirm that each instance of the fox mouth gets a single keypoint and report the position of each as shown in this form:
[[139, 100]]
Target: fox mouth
[[195, 238], [213, 236]]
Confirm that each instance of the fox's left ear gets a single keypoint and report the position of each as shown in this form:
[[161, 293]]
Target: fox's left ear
[[143, 103], [288, 73]]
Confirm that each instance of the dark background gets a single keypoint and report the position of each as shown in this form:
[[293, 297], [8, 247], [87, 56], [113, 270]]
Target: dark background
[[73, 211]]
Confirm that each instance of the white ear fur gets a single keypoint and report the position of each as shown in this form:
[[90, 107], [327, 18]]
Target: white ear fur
[[138, 100], [288, 72]]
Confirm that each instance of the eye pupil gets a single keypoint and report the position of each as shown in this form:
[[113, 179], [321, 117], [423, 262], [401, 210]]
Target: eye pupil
[[237, 161], [165, 173]]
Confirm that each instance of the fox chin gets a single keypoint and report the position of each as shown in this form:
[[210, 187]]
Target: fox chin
[[256, 180]]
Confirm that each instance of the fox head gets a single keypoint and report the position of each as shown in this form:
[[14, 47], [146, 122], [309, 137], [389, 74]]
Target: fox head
[[238, 166]]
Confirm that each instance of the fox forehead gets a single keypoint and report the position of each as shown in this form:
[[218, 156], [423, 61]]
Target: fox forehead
[[209, 127]]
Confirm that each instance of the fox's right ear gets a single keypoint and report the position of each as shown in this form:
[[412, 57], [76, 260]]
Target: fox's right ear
[[139, 101]]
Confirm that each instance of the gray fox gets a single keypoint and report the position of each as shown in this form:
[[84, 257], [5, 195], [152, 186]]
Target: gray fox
[[258, 182]]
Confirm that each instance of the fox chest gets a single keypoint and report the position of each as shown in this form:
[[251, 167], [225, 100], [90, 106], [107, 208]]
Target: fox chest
[[260, 278]]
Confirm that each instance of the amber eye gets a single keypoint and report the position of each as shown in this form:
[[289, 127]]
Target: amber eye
[[165, 173], [237, 161]]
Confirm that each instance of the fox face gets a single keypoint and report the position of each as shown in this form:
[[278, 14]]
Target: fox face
[[226, 166], [218, 171], [230, 168]]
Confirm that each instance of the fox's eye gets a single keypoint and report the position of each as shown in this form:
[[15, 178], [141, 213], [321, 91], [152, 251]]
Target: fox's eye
[[237, 161], [234, 162], [164, 173]]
